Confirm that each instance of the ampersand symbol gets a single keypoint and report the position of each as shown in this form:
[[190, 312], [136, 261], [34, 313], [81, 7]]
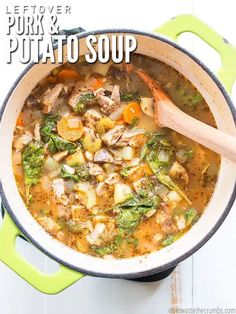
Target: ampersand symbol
[[53, 27]]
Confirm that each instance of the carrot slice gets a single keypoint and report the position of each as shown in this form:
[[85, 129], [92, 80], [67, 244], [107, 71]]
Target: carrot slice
[[51, 79], [20, 121], [98, 83], [67, 74], [131, 111], [120, 121], [70, 128]]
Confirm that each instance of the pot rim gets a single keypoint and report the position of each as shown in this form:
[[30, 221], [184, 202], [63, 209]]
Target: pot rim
[[210, 233]]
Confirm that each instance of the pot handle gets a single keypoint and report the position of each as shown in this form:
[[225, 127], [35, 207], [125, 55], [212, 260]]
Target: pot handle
[[188, 23], [46, 283]]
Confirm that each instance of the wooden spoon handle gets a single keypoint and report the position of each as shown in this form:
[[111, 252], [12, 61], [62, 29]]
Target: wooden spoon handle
[[172, 117]]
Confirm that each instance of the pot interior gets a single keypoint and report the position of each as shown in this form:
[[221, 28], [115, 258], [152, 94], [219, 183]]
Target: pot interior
[[213, 215]]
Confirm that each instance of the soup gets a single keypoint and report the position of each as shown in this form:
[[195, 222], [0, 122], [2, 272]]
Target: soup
[[95, 170]]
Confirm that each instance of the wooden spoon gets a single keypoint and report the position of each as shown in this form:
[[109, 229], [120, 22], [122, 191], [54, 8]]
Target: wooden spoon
[[167, 114]]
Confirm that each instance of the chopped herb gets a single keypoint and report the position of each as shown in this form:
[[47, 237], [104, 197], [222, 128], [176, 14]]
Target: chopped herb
[[84, 100], [105, 250], [81, 173], [48, 127], [191, 216], [130, 96], [44, 211], [133, 241], [32, 162], [134, 122], [125, 172], [168, 241], [57, 143]]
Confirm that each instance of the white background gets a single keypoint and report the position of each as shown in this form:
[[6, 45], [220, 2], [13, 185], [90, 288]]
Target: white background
[[206, 280]]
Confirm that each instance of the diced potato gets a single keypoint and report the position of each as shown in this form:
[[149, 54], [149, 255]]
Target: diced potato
[[50, 164], [86, 194], [104, 125], [46, 184], [100, 68], [76, 158], [178, 171], [121, 192], [92, 143], [139, 172], [147, 106], [70, 128], [126, 153]]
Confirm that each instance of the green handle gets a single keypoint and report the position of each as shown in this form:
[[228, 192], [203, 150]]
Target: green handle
[[49, 284], [188, 23]]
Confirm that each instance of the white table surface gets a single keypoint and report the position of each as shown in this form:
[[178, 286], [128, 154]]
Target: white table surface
[[205, 280]]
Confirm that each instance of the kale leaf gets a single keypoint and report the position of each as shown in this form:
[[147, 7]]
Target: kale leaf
[[169, 240], [132, 211], [32, 162], [57, 143], [81, 173], [191, 216], [84, 100], [48, 127], [104, 250], [156, 146]]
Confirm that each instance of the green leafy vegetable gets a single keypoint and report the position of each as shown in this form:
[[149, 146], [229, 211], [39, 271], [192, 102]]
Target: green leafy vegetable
[[57, 143], [84, 100], [115, 245], [32, 162], [154, 145], [130, 96], [169, 240], [132, 211], [48, 127], [167, 181], [81, 173], [125, 172], [105, 250], [158, 152], [191, 216], [134, 122]]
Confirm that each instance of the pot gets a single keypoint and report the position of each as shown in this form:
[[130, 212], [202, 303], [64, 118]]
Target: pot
[[161, 48]]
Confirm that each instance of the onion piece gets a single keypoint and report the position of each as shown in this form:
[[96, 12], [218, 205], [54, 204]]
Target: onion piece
[[69, 186], [147, 106], [115, 115], [126, 153], [163, 156], [46, 184], [161, 190], [50, 164]]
